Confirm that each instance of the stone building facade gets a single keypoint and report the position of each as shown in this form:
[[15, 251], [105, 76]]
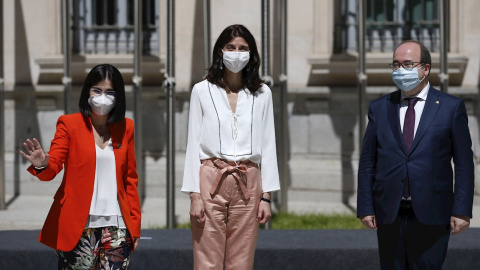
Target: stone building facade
[[321, 70]]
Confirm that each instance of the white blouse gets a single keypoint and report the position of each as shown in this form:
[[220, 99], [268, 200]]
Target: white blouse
[[104, 208], [214, 131]]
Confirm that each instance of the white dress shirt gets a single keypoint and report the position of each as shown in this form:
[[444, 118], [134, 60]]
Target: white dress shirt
[[422, 97], [214, 131]]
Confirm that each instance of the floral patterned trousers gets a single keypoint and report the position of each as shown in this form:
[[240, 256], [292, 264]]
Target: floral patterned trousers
[[95, 251]]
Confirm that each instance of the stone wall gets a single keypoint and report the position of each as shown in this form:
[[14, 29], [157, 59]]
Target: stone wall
[[323, 139]]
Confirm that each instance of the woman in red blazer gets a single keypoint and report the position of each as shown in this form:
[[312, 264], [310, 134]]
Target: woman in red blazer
[[95, 217]]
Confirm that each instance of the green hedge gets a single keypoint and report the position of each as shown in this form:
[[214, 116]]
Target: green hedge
[[308, 221], [315, 221]]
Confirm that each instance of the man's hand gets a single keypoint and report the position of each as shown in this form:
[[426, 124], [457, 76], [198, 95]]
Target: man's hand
[[459, 223], [370, 221]]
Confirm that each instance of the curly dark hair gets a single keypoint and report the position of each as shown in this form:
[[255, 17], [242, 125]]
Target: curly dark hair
[[250, 75], [100, 73]]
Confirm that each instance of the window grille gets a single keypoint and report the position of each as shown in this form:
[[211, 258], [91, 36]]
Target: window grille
[[106, 27], [388, 23]]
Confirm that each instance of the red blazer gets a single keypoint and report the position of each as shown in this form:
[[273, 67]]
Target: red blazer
[[74, 147]]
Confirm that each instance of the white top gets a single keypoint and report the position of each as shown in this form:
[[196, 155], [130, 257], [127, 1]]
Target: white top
[[422, 97], [104, 209], [214, 131]]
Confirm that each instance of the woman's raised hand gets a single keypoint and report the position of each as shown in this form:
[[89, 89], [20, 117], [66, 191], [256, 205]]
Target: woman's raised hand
[[35, 153]]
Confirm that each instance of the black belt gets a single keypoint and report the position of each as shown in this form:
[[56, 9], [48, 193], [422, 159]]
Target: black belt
[[406, 204]]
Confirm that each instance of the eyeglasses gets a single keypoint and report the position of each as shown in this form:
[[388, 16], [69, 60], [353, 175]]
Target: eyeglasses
[[408, 65], [109, 93]]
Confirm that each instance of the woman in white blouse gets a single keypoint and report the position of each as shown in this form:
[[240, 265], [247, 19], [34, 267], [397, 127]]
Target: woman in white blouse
[[231, 164], [94, 221]]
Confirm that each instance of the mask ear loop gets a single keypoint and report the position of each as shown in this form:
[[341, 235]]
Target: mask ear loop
[[423, 67]]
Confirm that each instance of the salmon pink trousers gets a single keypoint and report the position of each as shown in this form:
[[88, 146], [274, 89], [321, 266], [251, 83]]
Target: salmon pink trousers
[[231, 195]]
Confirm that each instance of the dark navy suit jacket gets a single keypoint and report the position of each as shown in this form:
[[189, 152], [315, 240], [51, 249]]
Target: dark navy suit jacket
[[442, 136]]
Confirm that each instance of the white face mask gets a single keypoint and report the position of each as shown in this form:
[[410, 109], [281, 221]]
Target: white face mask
[[101, 104], [405, 79], [236, 61]]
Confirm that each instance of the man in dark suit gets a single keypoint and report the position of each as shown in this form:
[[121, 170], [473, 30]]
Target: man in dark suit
[[405, 178]]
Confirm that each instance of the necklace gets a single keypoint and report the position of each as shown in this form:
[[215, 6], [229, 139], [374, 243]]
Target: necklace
[[104, 132], [102, 137]]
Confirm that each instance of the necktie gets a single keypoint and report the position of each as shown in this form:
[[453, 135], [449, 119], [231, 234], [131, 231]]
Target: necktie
[[408, 131], [409, 123]]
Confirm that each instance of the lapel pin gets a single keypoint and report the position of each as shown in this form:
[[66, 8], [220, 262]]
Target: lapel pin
[[119, 145], [437, 102]]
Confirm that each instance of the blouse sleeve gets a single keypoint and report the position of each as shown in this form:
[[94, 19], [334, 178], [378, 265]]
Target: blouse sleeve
[[191, 174], [269, 167]]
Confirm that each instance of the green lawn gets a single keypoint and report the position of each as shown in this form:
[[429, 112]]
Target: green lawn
[[308, 221], [315, 221]]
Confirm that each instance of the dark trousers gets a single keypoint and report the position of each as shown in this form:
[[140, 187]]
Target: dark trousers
[[409, 244]]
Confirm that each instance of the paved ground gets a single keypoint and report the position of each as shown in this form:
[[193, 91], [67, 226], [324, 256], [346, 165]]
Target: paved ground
[[28, 212]]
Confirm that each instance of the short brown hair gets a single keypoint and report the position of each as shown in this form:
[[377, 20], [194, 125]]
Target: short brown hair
[[425, 57]]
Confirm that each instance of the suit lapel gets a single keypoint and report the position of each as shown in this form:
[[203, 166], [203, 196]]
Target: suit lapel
[[432, 104], [394, 118], [117, 132], [90, 144], [89, 152]]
